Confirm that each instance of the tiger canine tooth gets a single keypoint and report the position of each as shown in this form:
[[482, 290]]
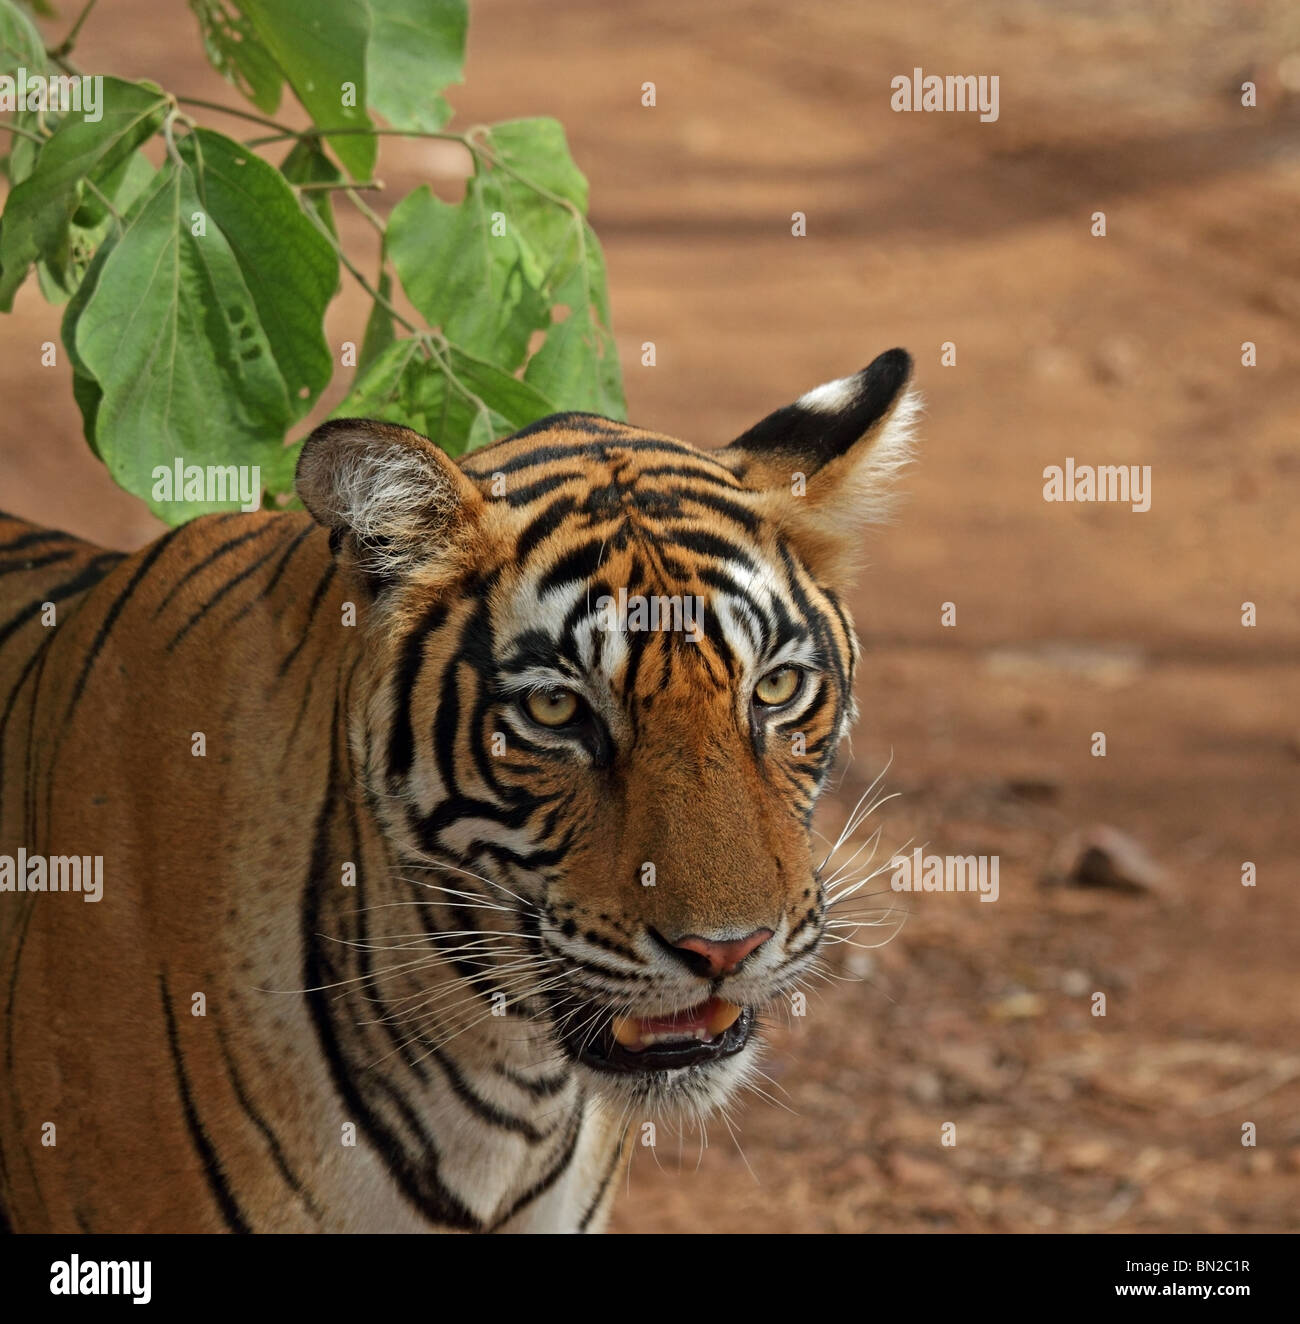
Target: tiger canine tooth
[[722, 1016], [627, 1031]]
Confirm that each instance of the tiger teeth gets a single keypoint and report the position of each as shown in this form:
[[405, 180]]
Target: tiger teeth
[[723, 1016], [627, 1031], [634, 1034]]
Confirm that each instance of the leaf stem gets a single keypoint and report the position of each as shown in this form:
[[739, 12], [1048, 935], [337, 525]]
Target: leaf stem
[[64, 48], [24, 133], [284, 130], [317, 132], [343, 184], [367, 211], [385, 304], [99, 193]]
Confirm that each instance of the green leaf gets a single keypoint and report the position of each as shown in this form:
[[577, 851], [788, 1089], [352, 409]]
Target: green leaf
[[578, 361], [457, 401], [85, 389], [41, 207], [538, 150], [23, 152], [171, 334], [285, 261], [577, 364], [307, 164], [379, 327], [320, 46], [21, 46], [464, 278], [515, 257], [235, 52], [63, 271], [417, 47]]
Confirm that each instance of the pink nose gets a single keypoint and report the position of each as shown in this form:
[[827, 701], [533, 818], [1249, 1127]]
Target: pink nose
[[721, 958]]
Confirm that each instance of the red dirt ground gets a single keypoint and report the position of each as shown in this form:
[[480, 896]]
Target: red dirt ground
[[1071, 619]]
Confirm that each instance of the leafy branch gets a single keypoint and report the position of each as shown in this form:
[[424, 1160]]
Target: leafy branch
[[196, 291]]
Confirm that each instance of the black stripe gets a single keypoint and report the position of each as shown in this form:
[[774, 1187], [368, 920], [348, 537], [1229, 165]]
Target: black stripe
[[272, 1140], [711, 544], [526, 495], [484, 1109], [280, 566], [401, 739], [311, 616], [90, 575], [542, 526], [602, 450], [731, 510], [544, 1184], [218, 595], [114, 611], [34, 539], [697, 473], [215, 555], [572, 420], [212, 1170], [419, 1183], [544, 1087], [579, 562], [585, 1222], [25, 565]]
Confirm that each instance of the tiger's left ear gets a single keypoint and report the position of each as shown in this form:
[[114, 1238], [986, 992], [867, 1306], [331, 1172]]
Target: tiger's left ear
[[395, 504], [827, 464]]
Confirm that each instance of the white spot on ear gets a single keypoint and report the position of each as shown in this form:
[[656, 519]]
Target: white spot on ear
[[831, 398]]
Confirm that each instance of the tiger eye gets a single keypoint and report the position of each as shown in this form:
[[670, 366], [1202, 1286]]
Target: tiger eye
[[778, 687], [552, 707]]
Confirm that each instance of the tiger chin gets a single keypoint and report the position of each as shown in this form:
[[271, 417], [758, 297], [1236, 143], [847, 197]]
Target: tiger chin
[[448, 830]]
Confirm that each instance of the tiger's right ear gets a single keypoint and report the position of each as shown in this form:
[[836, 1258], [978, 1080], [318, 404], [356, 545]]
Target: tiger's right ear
[[395, 504]]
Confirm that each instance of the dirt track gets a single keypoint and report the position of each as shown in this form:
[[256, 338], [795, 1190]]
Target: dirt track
[[1071, 619]]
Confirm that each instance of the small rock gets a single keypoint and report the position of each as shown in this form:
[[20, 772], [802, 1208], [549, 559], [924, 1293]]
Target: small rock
[[1261, 1162], [1087, 1156], [925, 1086], [1102, 856], [917, 1173], [1017, 1007], [1039, 790]]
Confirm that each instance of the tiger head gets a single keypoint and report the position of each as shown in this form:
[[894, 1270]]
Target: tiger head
[[606, 677]]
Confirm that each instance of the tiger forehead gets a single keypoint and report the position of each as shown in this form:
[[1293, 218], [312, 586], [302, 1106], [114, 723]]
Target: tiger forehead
[[578, 448]]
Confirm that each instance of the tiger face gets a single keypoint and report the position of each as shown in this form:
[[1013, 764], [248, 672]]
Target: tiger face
[[606, 675]]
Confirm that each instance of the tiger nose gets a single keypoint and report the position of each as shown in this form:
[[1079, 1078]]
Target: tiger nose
[[709, 957]]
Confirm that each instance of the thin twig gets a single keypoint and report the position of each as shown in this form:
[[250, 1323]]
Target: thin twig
[[285, 130], [64, 48]]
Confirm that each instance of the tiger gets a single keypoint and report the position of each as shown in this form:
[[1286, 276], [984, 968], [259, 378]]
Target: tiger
[[376, 866]]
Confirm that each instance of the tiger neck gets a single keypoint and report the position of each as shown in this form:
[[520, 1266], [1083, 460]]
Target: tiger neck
[[418, 989]]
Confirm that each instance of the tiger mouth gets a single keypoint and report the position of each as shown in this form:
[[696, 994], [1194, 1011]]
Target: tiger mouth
[[704, 1033]]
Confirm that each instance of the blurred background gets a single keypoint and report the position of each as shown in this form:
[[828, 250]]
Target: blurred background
[[1120, 875]]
